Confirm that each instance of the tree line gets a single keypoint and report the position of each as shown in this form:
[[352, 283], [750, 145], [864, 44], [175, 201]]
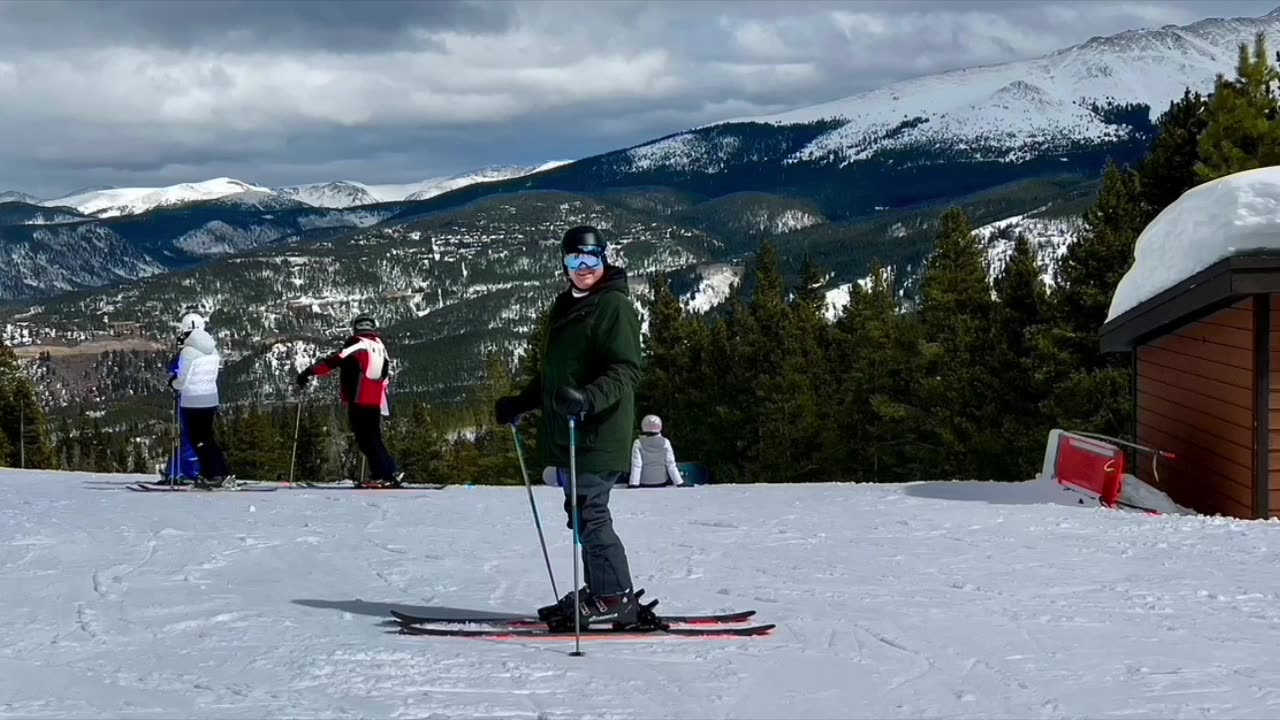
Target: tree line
[[964, 381]]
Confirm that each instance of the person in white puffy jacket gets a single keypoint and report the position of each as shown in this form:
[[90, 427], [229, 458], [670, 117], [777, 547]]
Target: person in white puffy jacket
[[196, 382], [653, 462]]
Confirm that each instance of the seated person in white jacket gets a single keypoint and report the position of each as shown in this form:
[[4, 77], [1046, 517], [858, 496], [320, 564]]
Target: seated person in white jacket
[[653, 461]]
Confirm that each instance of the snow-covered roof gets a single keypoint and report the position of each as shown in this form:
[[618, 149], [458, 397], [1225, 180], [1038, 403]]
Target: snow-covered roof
[[1209, 223]]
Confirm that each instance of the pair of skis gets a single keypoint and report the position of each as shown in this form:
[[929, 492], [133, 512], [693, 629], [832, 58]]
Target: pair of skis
[[167, 487], [648, 625]]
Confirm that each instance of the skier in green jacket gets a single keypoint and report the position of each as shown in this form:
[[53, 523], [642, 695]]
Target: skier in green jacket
[[591, 365]]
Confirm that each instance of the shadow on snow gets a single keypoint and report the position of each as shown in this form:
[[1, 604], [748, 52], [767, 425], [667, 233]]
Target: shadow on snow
[[383, 610], [1029, 492]]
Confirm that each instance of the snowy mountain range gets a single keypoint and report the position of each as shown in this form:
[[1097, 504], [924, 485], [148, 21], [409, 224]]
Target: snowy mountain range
[[934, 138], [114, 202], [1014, 111]]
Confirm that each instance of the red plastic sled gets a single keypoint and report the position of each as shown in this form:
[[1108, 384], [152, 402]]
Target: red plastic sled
[[1094, 465]]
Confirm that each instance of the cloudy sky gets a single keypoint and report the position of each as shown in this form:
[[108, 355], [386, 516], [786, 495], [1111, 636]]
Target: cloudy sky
[[149, 92]]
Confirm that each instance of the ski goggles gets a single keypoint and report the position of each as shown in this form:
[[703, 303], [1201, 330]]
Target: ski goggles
[[584, 260]]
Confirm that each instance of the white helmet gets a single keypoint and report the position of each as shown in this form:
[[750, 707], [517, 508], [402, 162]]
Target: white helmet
[[651, 424], [191, 321]]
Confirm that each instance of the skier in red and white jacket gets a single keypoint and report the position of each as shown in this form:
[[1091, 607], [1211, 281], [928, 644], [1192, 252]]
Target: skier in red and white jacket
[[363, 378]]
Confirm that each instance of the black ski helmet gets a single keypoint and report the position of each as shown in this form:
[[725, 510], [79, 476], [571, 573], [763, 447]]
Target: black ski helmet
[[363, 323], [580, 237]]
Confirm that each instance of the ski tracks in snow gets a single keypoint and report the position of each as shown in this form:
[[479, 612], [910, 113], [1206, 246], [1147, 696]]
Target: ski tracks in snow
[[888, 605]]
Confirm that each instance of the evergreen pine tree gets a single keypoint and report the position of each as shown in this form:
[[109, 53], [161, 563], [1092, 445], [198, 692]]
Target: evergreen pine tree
[[419, 449], [22, 419], [1083, 388], [780, 355], [722, 382], [138, 460], [1242, 132], [1169, 170], [665, 350], [254, 446], [6, 451], [874, 433], [1017, 411], [1089, 270], [956, 311]]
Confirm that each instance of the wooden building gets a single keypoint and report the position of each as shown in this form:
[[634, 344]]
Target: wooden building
[[1204, 361]]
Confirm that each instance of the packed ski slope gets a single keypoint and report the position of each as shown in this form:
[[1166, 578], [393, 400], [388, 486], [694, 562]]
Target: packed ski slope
[[923, 600]]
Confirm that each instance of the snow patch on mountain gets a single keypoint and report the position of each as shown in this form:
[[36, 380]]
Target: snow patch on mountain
[[716, 285], [786, 221], [346, 218], [259, 200], [349, 193], [685, 152], [219, 238], [130, 201], [339, 194], [15, 196], [288, 357], [70, 257], [1049, 239], [837, 299], [491, 174], [52, 218]]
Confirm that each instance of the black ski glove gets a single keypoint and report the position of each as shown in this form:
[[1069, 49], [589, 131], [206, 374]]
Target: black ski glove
[[507, 410], [572, 402], [303, 377]]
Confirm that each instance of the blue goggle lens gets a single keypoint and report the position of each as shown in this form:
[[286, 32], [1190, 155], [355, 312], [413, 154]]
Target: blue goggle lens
[[583, 261]]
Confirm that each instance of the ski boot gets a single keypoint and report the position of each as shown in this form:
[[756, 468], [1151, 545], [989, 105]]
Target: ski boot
[[561, 609], [227, 482], [619, 611]]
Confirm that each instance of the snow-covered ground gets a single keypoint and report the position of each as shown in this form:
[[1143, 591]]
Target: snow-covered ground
[[921, 600]]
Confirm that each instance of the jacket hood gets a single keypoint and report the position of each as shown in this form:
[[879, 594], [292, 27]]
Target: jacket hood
[[200, 341]]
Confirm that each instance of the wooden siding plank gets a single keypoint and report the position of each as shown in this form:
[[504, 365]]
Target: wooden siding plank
[[1198, 367], [1217, 334], [1193, 479], [1237, 397], [1190, 452], [1239, 315], [1198, 402], [1221, 431], [1241, 358]]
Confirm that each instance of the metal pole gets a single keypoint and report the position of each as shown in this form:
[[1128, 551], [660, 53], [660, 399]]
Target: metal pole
[[22, 435], [577, 541], [537, 523], [297, 424], [177, 443]]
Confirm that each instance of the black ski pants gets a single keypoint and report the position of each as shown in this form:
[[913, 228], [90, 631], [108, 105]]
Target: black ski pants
[[366, 425], [199, 425], [604, 559]]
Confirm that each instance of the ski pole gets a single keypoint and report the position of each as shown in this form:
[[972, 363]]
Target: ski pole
[[537, 523], [577, 541], [297, 426], [177, 443]]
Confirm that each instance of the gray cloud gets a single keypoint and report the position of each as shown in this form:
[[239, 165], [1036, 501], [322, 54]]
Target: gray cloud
[[244, 25], [280, 92]]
